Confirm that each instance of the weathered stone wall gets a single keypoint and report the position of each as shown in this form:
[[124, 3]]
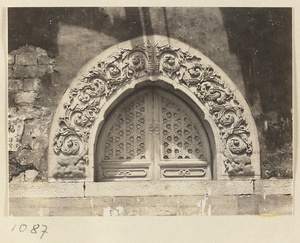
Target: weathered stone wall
[[31, 107], [48, 46]]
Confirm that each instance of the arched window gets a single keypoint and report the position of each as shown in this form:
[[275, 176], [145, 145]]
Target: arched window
[[153, 135], [96, 133]]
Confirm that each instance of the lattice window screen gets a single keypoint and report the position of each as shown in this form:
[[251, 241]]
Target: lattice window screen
[[153, 135], [180, 137], [126, 138]]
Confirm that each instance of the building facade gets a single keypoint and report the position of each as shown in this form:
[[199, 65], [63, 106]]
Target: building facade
[[150, 111]]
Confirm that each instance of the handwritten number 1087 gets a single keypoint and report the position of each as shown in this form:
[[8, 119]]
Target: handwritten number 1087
[[23, 228]]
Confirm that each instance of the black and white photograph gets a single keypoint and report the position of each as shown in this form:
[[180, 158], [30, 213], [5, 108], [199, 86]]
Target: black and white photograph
[[141, 111], [149, 111]]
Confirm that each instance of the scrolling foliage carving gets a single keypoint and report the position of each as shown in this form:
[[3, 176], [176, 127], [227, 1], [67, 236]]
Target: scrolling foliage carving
[[71, 140], [222, 104]]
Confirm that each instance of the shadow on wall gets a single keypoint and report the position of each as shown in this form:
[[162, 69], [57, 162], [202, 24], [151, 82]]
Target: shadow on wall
[[89, 31], [262, 41], [74, 35], [259, 37], [40, 26]]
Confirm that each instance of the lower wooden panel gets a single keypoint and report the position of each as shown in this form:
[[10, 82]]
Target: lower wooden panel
[[114, 174], [183, 172]]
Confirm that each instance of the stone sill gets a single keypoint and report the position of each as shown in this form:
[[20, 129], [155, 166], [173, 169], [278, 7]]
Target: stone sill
[[142, 188]]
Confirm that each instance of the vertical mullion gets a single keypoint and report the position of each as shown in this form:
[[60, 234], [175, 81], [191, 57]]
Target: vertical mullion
[[135, 129], [172, 122], [124, 136], [149, 134], [157, 136]]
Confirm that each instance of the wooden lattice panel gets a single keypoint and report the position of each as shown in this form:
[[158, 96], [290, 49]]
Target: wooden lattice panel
[[180, 137], [126, 138], [153, 135]]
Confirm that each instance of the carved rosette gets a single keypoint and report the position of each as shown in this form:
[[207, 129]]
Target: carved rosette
[[71, 139]]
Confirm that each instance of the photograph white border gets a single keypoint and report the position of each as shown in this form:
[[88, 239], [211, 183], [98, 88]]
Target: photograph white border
[[150, 229]]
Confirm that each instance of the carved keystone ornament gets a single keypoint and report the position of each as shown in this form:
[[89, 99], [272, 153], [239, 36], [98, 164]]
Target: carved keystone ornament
[[160, 57]]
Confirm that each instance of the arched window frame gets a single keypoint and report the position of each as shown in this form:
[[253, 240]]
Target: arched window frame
[[153, 164], [118, 71]]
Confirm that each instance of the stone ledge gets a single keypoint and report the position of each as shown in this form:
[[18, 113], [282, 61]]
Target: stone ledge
[[153, 205], [273, 185], [142, 188], [44, 189]]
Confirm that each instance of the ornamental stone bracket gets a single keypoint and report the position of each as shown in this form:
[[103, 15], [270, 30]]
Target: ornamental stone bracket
[[151, 58]]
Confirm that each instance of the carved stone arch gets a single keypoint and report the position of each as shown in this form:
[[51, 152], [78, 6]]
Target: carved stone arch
[[157, 59]]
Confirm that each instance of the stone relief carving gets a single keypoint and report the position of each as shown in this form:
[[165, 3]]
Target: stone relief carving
[[71, 140]]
